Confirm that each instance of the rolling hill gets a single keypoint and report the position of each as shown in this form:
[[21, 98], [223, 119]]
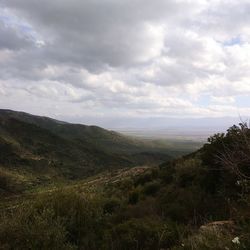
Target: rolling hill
[[39, 150]]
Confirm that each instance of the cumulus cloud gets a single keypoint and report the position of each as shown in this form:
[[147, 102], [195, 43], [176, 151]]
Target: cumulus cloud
[[139, 58]]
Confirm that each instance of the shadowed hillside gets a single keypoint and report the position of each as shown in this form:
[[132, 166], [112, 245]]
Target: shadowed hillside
[[39, 150]]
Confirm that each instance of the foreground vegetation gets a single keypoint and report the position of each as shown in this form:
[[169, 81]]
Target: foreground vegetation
[[200, 201]]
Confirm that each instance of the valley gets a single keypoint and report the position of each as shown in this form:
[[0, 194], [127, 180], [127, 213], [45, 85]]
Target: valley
[[71, 186], [38, 151]]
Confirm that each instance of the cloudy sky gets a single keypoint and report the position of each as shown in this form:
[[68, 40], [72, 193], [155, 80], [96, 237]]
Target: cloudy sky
[[112, 61]]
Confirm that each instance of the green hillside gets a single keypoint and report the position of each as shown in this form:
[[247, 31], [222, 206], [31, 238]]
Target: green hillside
[[200, 201], [39, 151]]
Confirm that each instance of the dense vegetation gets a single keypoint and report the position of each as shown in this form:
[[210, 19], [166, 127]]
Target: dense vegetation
[[37, 151], [173, 206]]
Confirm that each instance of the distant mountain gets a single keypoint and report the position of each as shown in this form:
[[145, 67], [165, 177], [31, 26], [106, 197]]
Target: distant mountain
[[92, 136], [35, 149]]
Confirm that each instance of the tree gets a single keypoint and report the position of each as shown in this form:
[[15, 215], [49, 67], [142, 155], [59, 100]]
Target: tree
[[235, 152]]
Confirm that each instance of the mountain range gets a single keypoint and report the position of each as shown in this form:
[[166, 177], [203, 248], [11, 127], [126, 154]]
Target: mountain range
[[35, 150]]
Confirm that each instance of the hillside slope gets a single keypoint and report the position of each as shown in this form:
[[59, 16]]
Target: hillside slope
[[93, 135], [198, 202], [41, 150]]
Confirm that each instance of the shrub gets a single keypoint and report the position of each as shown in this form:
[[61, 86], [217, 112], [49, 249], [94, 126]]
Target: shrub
[[133, 197], [111, 205], [142, 179], [61, 220], [4, 181], [32, 229], [144, 234], [151, 188]]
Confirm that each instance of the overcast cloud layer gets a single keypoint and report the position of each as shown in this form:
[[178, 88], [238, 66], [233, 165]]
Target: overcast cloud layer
[[125, 59]]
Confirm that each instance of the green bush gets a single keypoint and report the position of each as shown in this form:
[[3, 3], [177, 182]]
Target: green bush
[[133, 197], [61, 220], [151, 188], [4, 181], [32, 229], [143, 234], [111, 205]]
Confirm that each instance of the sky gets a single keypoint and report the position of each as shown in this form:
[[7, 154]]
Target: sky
[[126, 62]]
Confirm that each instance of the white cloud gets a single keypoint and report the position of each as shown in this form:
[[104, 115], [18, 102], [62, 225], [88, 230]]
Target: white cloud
[[140, 58], [223, 100]]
